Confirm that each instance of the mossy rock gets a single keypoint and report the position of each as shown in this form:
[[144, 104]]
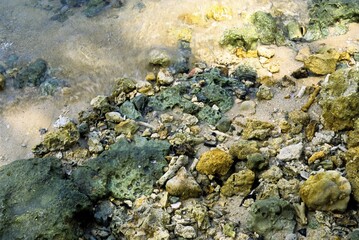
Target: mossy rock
[[38, 202], [245, 37]]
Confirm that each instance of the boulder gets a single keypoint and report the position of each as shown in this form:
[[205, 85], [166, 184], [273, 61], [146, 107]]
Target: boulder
[[214, 162], [326, 191]]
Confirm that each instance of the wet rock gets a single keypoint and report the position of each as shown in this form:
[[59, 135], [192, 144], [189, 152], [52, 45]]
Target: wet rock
[[352, 169], [183, 185], [256, 161], [126, 171], [340, 99], [255, 129], [127, 127], [129, 110], [238, 184], [32, 75], [243, 148], [159, 57], [291, 152], [2, 82], [219, 12], [245, 37], [62, 139], [36, 190], [267, 28], [322, 63], [214, 162], [264, 93], [164, 77], [326, 191], [272, 218], [51, 85]]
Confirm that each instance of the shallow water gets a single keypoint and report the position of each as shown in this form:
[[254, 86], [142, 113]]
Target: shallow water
[[90, 53]]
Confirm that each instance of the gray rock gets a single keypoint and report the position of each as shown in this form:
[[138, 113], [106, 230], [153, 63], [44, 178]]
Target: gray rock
[[32, 75], [103, 212], [160, 57], [291, 152], [128, 109], [183, 185]]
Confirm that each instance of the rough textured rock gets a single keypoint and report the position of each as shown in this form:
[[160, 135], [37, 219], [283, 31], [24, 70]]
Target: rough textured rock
[[267, 28], [129, 110], [340, 99], [183, 185], [352, 168], [38, 202], [255, 129], [243, 148], [291, 152], [246, 37], [322, 63], [272, 218], [326, 191], [238, 184], [264, 93], [256, 161], [126, 171], [127, 127], [160, 57], [164, 77], [32, 75], [62, 139], [214, 162], [219, 12]]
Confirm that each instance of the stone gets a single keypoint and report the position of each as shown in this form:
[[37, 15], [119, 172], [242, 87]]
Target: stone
[[271, 218], [245, 37], [94, 143], [243, 148], [219, 12], [2, 82], [326, 191], [247, 108], [114, 117], [36, 191], [189, 120], [267, 29], [214, 162], [289, 189], [183, 185], [273, 174], [340, 99], [291, 152], [127, 127], [63, 139], [352, 169], [256, 161], [192, 19], [256, 129], [164, 77], [295, 30], [104, 212], [264, 93], [126, 171], [187, 232], [32, 75], [99, 102], [303, 54], [129, 110], [322, 63], [238, 184], [224, 124], [265, 52], [159, 57]]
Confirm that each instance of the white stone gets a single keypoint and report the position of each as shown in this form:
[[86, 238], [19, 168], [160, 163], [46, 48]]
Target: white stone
[[265, 52], [114, 117], [164, 77], [291, 152]]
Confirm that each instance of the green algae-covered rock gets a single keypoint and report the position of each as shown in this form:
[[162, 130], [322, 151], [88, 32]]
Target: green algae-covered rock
[[243, 148], [126, 171], [38, 202], [272, 218], [340, 99], [245, 37], [62, 139], [256, 161], [218, 96], [352, 169], [326, 191], [128, 109], [32, 75], [267, 28], [214, 162], [239, 183], [209, 115]]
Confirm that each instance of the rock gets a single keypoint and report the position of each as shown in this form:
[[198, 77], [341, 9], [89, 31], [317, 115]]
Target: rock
[[322, 63], [62, 139], [272, 218], [104, 212], [340, 99], [36, 190], [160, 57], [247, 108], [273, 174], [100, 102], [238, 184], [114, 117], [129, 110], [164, 77], [326, 191], [245, 37], [175, 164], [224, 124], [2, 82], [256, 161], [322, 137], [267, 29], [352, 169], [219, 12], [303, 54], [94, 7], [353, 235], [127, 127], [187, 232], [32, 75], [126, 171], [243, 148], [94, 143], [214, 162], [192, 19], [264, 93], [295, 30], [183, 185], [289, 189], [189, 120], [209, 115], [255, 129], [245, 73], [265, 52], [291, 152]]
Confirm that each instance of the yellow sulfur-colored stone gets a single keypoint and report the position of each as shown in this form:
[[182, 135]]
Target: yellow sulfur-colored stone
[[315, 156], [219, 12], [214, 162]]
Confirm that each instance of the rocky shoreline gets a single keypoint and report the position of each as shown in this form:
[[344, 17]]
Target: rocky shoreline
[[183, 156]]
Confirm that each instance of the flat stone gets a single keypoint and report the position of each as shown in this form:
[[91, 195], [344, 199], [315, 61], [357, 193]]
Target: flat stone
[[291, 152]]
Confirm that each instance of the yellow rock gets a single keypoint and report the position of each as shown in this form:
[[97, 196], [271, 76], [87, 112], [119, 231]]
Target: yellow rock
[[316, 156], [214, 162], [150, 76], [219, 12], [241, 53], [238, 183], [192, 18], [184, 34]]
